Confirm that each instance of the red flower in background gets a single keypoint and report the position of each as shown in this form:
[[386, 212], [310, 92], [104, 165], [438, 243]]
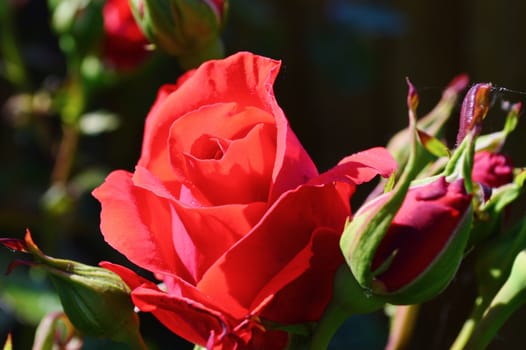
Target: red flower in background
[[124, 45], [228, 210], [492, 169]]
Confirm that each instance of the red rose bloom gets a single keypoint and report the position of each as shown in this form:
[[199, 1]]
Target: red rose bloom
[[492, 169], [124, 45], [229, 211]]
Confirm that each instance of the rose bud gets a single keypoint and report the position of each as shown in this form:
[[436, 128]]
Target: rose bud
[[474, 108], [500, 184], [492, 169], [422, 248], [124, 45], [407, 244], [186, 29], [96, 300]]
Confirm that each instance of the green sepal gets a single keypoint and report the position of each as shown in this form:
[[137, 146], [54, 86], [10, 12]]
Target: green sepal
[[489, 213], [433, 145], [460, 166], [432, 124], [362, 236], [493, 142]]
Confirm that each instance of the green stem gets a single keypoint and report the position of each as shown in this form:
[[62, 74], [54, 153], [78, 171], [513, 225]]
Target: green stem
[[66, 154], [349, 299], [498, 255], [402, 326], [331, 320], [509, 298], [76, 96], [471, 323]]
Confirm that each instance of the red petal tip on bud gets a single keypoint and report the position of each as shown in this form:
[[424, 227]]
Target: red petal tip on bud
[[412, 95], [517, 107], [459, 83], [14, 244]]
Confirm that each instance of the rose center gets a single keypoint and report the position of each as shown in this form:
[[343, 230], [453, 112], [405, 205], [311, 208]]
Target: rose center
[[209, 147]]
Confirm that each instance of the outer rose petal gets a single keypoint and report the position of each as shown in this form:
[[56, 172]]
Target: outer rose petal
[[185, 317], [129, 227], [317, 280], [256, 261], [135, 221], [360, 167]]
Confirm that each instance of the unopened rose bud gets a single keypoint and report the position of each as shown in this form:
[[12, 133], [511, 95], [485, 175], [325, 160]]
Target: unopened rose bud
[[492, 169], [422, 248], [96, 300], [186, 29], [474, 109]]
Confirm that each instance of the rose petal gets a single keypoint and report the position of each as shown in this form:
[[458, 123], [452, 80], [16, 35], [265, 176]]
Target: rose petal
[[184, 315], [243, 77], [317, 280], [205, 234], [221, 120], [293, 165], [240, 159], [175, 231], [134, 221], [246, 269], [360, 167]]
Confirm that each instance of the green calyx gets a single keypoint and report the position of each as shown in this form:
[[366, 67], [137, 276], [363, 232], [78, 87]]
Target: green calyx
[[362, 236], [96, 300]]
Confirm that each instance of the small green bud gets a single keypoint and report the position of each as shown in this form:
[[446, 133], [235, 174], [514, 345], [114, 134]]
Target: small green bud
[[96, 300], [186, 29]]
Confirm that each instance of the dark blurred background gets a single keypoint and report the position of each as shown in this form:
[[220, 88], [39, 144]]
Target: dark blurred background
[[342, 86]]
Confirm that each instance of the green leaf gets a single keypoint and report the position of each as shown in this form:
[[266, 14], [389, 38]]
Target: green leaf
[[433, 145]]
